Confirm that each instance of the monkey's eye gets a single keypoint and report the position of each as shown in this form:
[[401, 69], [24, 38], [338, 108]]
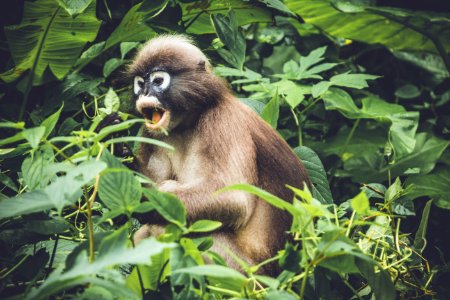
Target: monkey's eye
[[138, 84], [160, 79]]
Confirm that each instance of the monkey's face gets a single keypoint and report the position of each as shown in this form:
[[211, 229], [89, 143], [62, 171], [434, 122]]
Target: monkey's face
[[173, 83], [149, 89]]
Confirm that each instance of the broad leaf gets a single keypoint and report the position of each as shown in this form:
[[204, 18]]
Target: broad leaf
[[25, 203], [220, 275], [321, 188], [394, 28], [199, 16], [271, 111], [118, 188], [132, 28], [48, 37], [434, 185], [168, 206], [402, 124], [74, 7], [227, 30], [370, 167]]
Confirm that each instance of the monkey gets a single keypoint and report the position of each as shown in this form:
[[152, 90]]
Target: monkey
[[219, 142]]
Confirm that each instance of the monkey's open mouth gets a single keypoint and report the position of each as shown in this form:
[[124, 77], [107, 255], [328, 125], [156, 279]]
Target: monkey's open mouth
[[156, 117]]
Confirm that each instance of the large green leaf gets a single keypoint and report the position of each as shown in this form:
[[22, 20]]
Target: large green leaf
[[402, 124], [48, 37], [227, 30], [370, 167], [434, 185], [62, 191], [395, 28], [118, 188], [321, 188], [132, 28], [197, 14], [113, 250]]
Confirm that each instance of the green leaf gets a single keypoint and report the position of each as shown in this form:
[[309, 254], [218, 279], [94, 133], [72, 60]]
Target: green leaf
[[227, 30], [48, 37], [34, 135], [316, 172], [91, 53], [402, 124], [204, 226], [168, 206], [339, 252], [74, 7], [139, 139], [395, 28], [118, 188], [378, 279], [360, 203], [271, 111], [320, 88], [200, 16], [434, 185], [51, 121], [356, 81], [278, 5], [366, 167], [66, 189], [126, 47], [266, 196], [34, 169], [132, 28], [420, 240], [111, 65], [407, 91], [12, 139], [112, 101], [113, 250], [25, 203], [224, 276], [291, 91], [148, 274]]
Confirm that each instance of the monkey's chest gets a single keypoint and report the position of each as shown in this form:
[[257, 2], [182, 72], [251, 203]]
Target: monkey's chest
[[167, 166]]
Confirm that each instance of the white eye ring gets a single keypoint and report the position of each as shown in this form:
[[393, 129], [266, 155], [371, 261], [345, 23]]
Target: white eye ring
[[161, 79], [138, 82]]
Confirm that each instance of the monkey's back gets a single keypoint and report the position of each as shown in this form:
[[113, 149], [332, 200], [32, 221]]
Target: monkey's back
[[276, 166]]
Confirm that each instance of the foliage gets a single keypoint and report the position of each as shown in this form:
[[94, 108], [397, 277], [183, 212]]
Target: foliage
[[358, 90]]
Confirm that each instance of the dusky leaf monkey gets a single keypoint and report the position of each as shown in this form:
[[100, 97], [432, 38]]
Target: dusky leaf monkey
[[219, 142]]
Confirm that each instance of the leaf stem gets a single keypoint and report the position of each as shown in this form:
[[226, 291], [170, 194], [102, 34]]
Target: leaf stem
[[350, 136], [89, 219]]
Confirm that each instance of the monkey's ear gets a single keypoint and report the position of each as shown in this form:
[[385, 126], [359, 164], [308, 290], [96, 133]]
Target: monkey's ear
[[201, 65]]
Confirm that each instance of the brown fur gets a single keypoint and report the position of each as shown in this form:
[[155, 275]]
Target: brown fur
[[223, 143]]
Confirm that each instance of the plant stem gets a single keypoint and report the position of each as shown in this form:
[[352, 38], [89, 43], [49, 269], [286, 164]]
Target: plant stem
[[350, 136], [141, 282], [302, 289], [89, 219]]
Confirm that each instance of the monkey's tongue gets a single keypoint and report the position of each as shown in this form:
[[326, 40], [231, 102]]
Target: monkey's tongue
[[156, 116]]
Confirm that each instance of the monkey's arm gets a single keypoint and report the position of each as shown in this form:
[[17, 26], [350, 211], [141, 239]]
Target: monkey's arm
[[232, 208]]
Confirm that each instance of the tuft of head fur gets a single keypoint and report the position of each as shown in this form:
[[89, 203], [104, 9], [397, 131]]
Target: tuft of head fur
[[177, 44]]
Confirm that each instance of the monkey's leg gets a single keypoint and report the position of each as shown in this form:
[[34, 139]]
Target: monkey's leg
[[225, 246]]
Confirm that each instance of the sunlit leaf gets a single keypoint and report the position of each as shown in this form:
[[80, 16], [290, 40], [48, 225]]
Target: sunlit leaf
[[48, 37]]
